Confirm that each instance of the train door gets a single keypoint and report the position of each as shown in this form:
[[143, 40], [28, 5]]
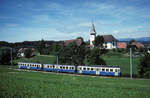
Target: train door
[[116, 72], [97, 71], [80, 69], [28, 67]]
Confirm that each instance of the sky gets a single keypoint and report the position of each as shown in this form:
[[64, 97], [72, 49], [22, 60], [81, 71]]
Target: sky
[[31, 20]]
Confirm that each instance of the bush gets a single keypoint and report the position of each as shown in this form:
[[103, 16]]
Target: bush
[[146, 74], [121, 50]]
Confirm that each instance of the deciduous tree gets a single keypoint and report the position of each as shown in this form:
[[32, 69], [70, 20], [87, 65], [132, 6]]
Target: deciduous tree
[[144, 66]]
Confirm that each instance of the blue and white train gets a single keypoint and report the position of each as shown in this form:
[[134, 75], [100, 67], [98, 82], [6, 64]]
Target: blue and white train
[[91, 70]]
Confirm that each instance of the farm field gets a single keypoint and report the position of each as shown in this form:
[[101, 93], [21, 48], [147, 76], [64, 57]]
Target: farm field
[[24, 84]]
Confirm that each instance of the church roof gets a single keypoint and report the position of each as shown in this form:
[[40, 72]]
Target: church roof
[[109, 38]]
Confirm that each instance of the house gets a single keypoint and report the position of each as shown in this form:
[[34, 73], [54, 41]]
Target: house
[[22, 50], [78, 41], [138, 45], [121, 45]]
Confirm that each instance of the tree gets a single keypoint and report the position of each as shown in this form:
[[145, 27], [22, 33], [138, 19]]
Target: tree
[[144, 66], [28, 53], [130, 45], [94, 57], [99, 41], [5, 55], [72, 54]]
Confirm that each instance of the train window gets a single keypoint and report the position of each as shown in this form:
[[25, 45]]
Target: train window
[[111, 70], [66, 67], [118, 70], [103, 69], [84, 68], [107, 69], [115, 70], [60, 67], [53, 66], [88, 68], [91, 68], [63, 67]]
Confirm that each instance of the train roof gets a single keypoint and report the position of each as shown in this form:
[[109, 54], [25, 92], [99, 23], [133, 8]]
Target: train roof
[[101, 66], [28, 63], [59, 64]]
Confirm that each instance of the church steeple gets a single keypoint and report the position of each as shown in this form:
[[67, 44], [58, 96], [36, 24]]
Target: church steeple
[[93, 31], [92, 35]]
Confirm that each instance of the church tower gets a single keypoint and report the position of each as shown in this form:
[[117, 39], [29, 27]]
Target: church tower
[[92, 35]]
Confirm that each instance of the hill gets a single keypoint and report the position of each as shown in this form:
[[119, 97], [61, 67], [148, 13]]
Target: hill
[[141, 39]]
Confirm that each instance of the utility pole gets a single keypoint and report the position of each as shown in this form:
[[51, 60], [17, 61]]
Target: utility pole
[[57, 59], [11, 56], [131, 63]]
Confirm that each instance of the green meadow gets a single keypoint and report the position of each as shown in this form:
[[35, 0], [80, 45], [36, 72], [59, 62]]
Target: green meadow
[[29, 84]]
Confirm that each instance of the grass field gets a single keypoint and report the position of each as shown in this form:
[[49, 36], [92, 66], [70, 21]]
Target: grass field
[[22, 84]]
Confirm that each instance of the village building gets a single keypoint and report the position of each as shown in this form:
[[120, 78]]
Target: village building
[[138, 45], [110, 42], [121, 45]]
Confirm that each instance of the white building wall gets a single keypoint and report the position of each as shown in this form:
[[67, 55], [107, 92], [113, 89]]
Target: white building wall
[[110, 45]]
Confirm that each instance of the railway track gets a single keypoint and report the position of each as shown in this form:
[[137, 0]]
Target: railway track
[[75, 74]]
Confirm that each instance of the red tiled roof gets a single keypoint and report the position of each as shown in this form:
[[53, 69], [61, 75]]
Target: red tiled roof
[[138, 44], [77, 41], [121, 45]]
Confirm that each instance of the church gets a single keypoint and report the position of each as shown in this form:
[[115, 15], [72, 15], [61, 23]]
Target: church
[[110, 42]]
